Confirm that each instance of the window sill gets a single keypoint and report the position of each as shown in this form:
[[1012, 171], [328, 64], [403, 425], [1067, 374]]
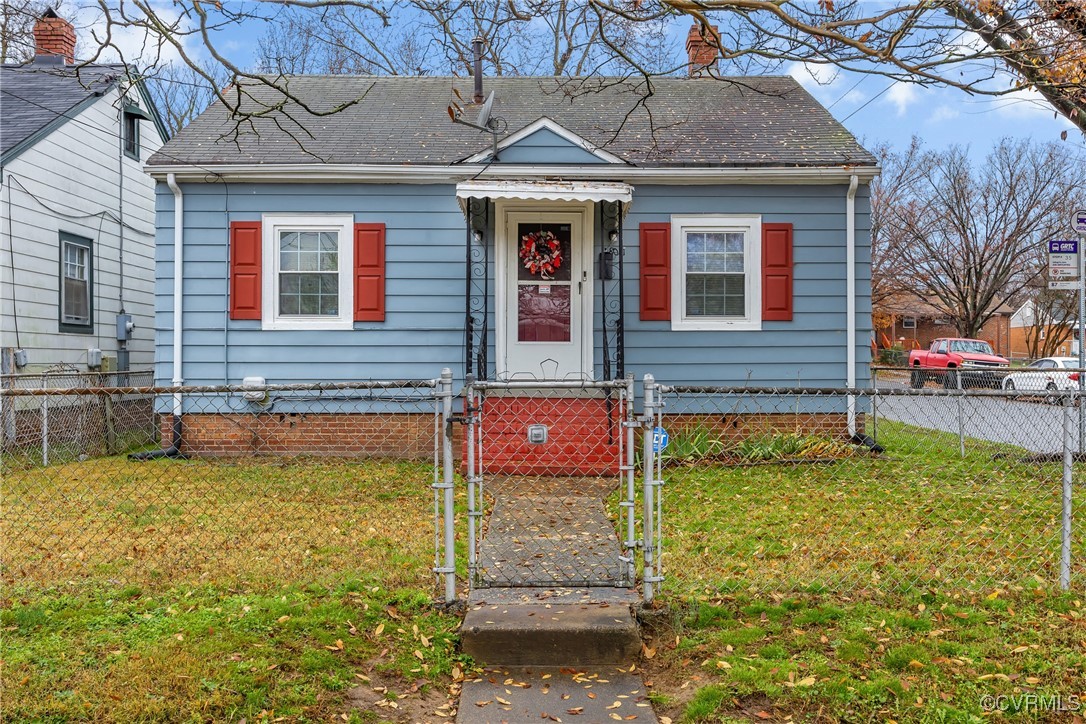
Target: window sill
[[307, 324], [739, 325]]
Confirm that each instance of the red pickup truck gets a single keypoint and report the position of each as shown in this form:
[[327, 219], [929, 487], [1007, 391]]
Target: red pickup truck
[[948, 358]]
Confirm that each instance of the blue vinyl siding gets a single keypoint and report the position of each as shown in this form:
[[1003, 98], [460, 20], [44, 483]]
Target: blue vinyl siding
[[423, 330], [546, 146], [807, 351]]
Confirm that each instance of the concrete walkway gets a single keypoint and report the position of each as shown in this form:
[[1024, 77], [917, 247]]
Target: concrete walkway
[[555, 632]]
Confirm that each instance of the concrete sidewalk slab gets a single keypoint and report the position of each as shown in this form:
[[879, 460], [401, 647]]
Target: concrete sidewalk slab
[[567, 694]]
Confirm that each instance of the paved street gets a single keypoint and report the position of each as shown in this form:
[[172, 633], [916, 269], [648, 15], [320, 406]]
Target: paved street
[[1026, 421]]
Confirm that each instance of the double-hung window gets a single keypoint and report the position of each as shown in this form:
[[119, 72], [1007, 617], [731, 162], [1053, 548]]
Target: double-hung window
[[308, 267], [718, 284], [76, 285]]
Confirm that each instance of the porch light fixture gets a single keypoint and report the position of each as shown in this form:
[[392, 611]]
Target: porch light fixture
[[478, 236]]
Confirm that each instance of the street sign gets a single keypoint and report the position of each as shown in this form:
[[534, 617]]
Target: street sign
[[660, 439], [1062, 259], [1078, 221], [1063, 284]]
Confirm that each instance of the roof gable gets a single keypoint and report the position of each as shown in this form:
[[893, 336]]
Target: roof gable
[[38, 98], [546, 142]]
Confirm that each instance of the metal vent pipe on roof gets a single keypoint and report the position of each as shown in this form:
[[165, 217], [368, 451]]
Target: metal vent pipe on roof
[[477, 48]]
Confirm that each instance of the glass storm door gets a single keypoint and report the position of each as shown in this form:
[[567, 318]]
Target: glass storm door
[[547, 285]]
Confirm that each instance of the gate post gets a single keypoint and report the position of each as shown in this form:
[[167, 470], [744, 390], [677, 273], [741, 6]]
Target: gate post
[[630, 465], [449, 568], [1065, 512], [473, 475], [648, 491]]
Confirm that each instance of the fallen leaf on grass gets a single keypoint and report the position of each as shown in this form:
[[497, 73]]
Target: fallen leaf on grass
[[502, 701], [282, 619], [647, 652], [616, 705], [338, 646], [418, 655], [763, 715], [575, 710], [380, 628]]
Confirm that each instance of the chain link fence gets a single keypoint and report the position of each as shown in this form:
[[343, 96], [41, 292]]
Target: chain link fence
[[877, 490], [48, 429], [291, 482], [764, 490]]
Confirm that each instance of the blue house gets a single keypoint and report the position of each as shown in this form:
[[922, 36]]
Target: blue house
[[709, 231]]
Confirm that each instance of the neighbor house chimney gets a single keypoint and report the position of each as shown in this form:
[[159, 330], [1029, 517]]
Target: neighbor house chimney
[[54, 37], [477, 50], [701, 49]]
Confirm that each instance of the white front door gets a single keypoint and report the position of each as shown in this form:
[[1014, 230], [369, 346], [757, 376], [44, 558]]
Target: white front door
[[545, 288]]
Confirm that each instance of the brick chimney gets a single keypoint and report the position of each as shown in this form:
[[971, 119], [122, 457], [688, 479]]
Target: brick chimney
[[702, 51], [54, 37]]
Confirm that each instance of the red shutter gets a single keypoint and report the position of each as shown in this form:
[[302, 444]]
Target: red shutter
[[369, 272], [777, 272], [655, 272], [245, 268]]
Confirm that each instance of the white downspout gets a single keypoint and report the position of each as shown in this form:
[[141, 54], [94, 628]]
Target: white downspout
[[850, 298], [178, 260], [174, 450]]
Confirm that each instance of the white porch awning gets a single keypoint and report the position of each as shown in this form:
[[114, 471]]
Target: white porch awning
[[545, 191]]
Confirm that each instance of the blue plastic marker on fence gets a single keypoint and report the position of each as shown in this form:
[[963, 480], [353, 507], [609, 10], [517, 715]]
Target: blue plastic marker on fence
[[660, 439]]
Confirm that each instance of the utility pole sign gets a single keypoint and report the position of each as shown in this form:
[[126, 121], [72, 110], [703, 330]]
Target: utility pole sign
[[1063, 264]]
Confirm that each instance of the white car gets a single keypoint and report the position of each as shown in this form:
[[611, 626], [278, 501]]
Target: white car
[[1047, 374]]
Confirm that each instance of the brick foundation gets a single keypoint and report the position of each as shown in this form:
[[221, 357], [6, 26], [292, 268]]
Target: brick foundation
[[406, 436], [582, 434]]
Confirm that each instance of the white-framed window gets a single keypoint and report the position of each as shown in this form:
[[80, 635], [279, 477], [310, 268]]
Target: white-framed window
[[716, 273], [76, 284], [308, 272], [908, 322]]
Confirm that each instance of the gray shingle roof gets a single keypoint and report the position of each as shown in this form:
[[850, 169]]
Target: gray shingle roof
[[751, 121], [36, 96]]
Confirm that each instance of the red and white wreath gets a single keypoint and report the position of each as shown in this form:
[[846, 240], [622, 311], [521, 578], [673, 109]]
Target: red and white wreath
[[541, 253]]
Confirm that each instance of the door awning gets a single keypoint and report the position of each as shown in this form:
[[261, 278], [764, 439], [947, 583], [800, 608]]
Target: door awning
[[545, 191]]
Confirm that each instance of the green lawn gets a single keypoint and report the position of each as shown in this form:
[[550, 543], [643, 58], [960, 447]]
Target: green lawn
[[906, 587]]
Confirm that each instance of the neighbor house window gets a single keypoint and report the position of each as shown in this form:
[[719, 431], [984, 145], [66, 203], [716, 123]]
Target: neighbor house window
[[719, 263], [908, 322], [308, 267], [76, 284], [132, 136]]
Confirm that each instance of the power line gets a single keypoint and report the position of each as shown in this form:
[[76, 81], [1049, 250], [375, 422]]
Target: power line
[[869, 102]]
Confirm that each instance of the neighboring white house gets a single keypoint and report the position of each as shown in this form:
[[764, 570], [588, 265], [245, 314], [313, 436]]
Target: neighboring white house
[[78, 219]]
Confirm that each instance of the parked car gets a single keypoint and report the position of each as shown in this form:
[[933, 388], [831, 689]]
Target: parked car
[[1051, 374], [947, 358]]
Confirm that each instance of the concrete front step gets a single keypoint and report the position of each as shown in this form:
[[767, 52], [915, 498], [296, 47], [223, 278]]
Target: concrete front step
[[568, 694], [551, 627]]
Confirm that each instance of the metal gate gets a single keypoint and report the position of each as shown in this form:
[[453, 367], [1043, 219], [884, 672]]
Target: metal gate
[[557, 474], [550, 466]]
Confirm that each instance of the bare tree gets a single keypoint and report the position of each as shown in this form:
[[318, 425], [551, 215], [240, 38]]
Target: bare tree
[[1052, 321], [969, 234], [901, 174], [542, 37], [979, 46], [982, 47]]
